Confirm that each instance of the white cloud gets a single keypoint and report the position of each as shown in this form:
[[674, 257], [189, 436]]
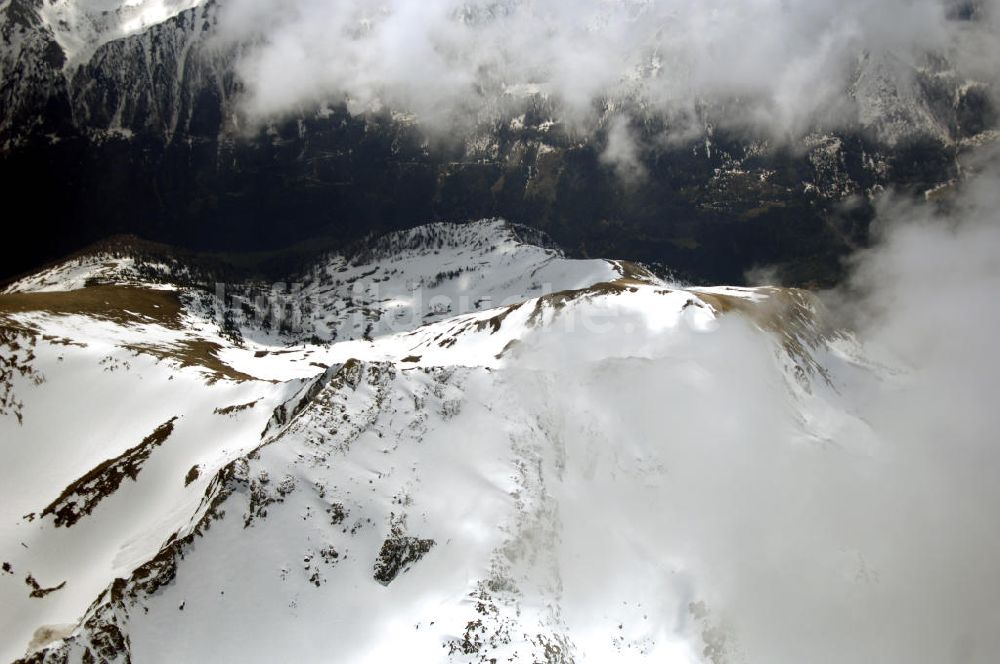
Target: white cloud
[[787, 61], [855, 524], [621, 151]]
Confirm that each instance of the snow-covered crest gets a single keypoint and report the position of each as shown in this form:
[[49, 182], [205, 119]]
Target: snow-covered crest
[[477, 484], [82, 26]]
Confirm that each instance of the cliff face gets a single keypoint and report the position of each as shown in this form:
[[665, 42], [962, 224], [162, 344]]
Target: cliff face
[[142, 131], [33, 92], [162, 82]]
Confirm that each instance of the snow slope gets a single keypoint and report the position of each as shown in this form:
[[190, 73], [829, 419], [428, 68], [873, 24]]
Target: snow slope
[[428, 274], [562, 474], [82, 26]]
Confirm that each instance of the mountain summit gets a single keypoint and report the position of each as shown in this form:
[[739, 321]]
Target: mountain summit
[[418, 451]]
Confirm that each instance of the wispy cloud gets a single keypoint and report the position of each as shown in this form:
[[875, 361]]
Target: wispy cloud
[[787, 61], [853, 524]]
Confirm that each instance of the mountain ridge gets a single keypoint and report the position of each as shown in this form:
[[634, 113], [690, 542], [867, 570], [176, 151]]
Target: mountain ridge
[[160, 502]]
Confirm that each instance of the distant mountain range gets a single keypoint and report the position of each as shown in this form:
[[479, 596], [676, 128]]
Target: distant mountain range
[[125, 118]]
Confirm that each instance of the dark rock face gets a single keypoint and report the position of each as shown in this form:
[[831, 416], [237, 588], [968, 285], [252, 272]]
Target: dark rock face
[[146, 138], [398, 554], [32, 88]]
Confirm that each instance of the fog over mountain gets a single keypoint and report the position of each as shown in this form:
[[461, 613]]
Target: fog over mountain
[[715, 138], [786, 65], [617, 468], [522, 331]]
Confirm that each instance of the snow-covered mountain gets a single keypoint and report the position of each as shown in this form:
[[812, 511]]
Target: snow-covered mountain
[[459, 446], [80, 27]]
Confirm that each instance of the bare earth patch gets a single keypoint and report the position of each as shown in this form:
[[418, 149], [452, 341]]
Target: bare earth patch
[[82, 496], [120, 304]]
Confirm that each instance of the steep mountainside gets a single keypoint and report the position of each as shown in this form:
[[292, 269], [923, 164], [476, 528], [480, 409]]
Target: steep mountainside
[[130, 116]]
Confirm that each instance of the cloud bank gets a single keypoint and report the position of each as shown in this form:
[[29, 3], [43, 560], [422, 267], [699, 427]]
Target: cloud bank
[[876, 541], [853, 524], [781, 64]]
